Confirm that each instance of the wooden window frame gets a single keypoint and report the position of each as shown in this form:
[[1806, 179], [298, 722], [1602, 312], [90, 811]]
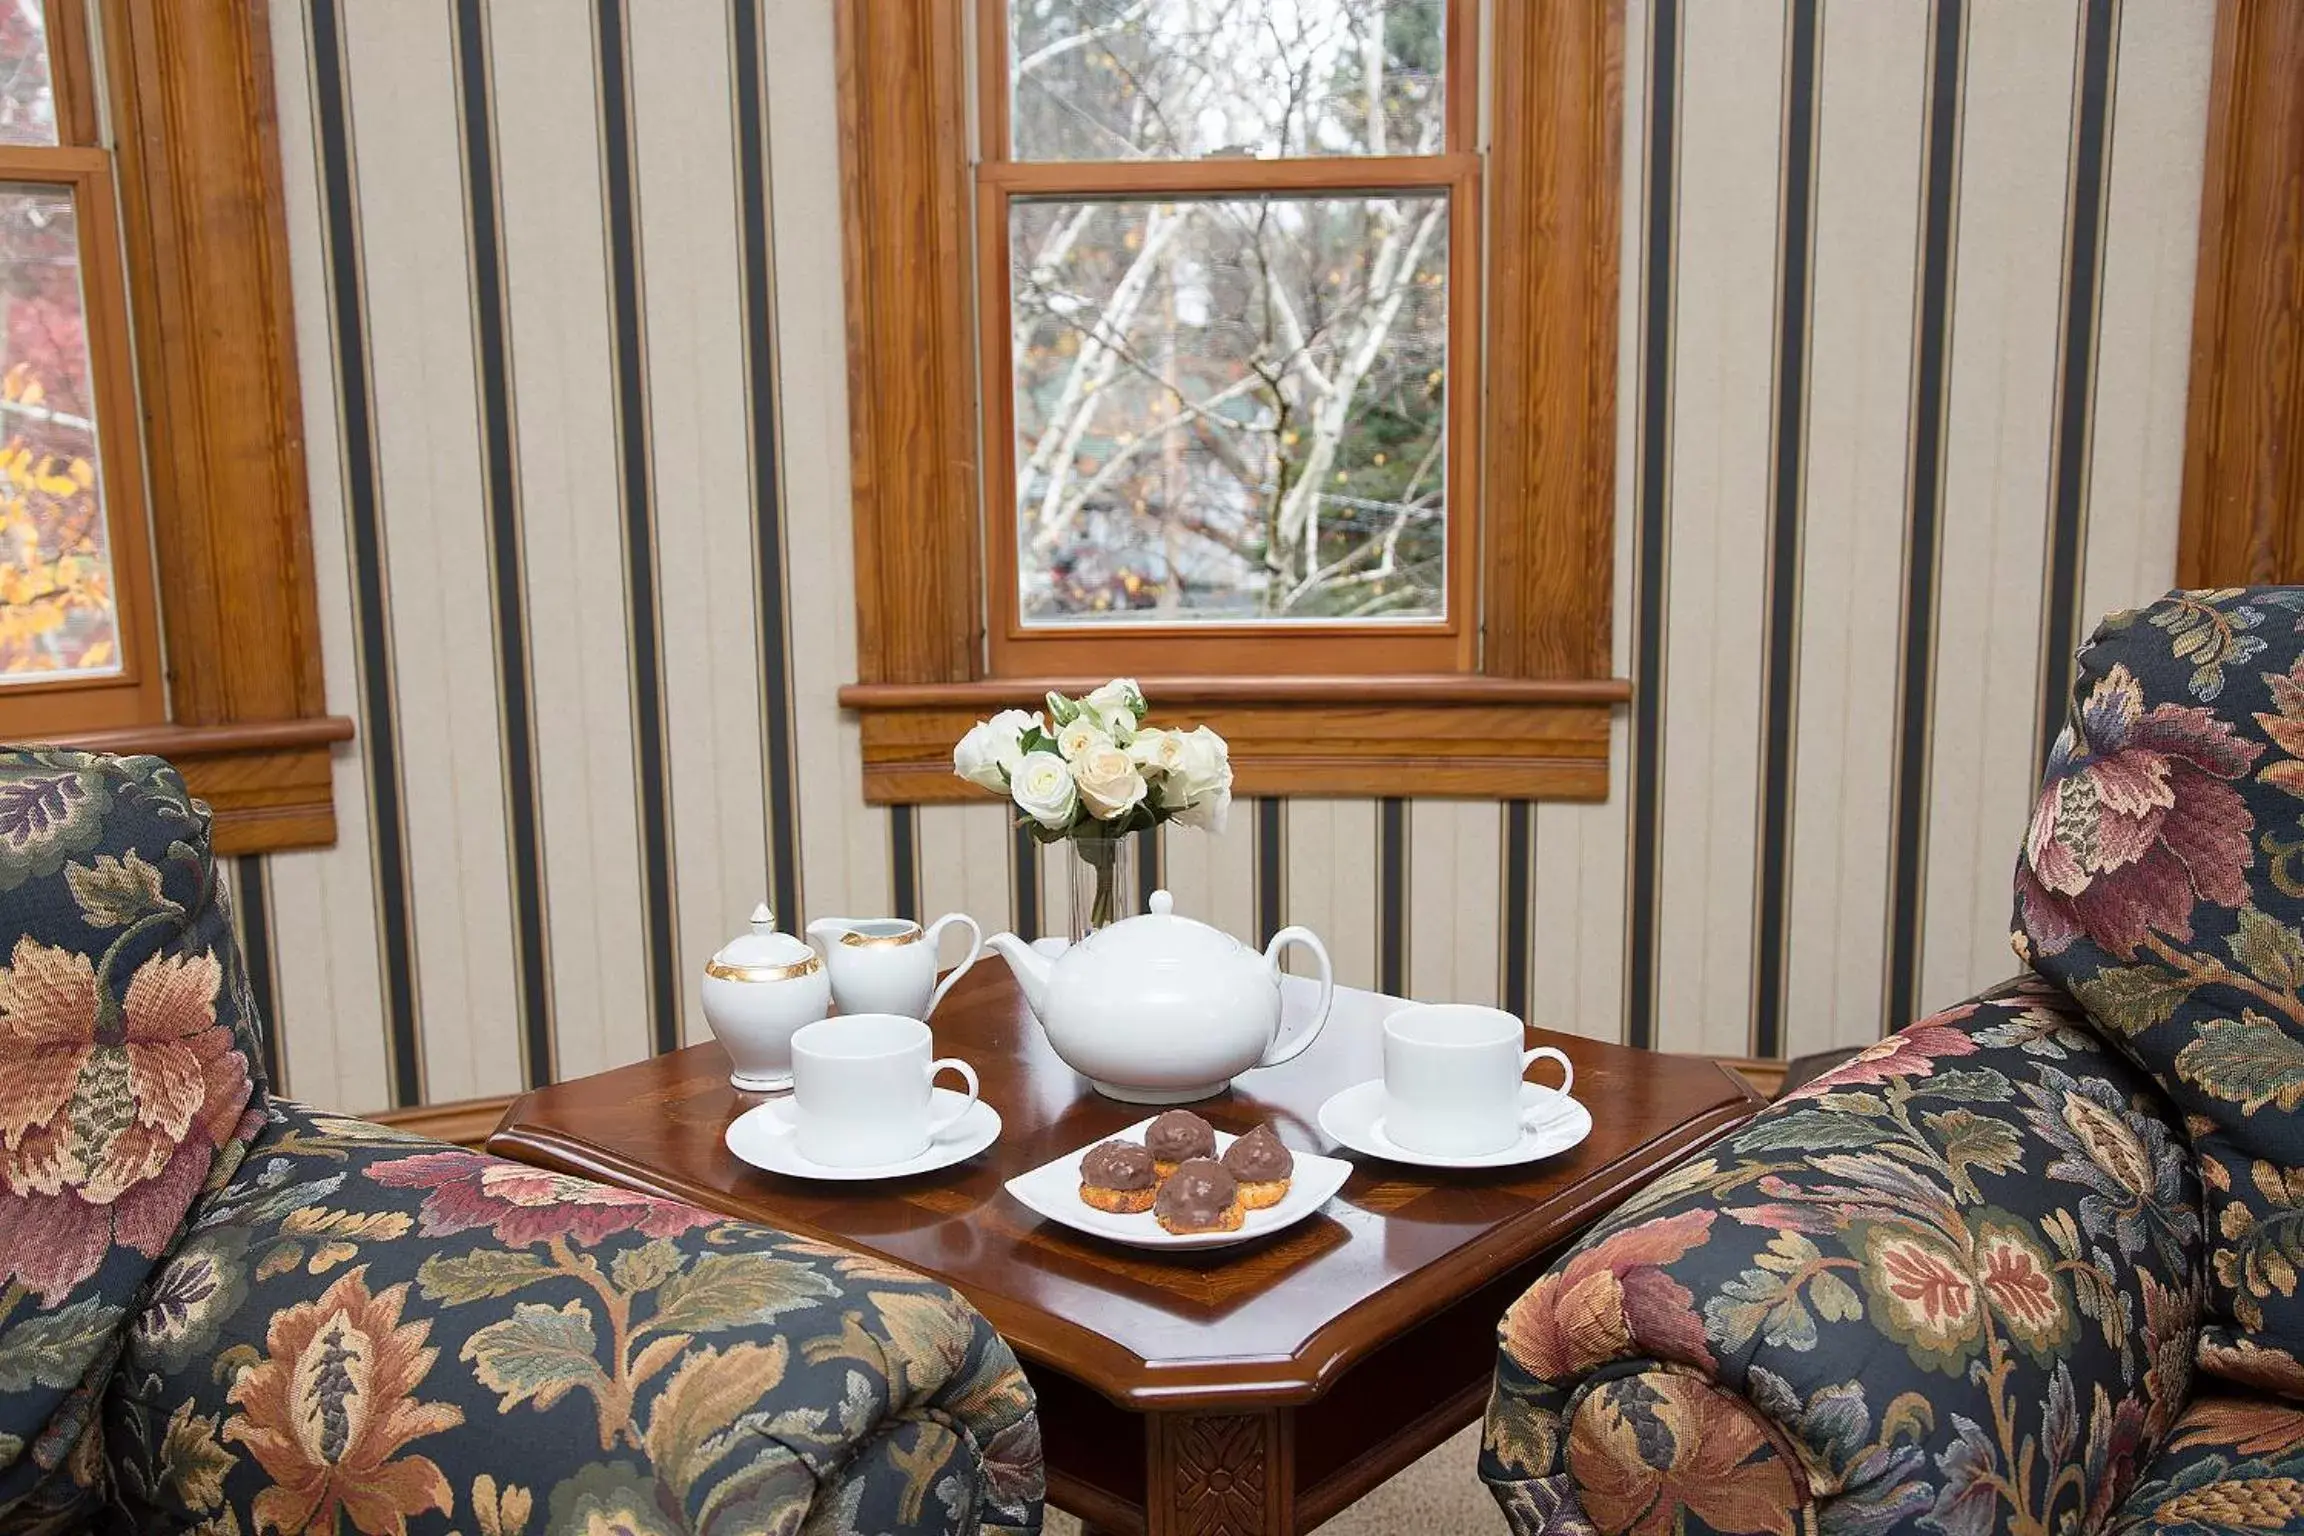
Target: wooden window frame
[[1445, 645], [1530, 720], [236, 698], [2243, 501]]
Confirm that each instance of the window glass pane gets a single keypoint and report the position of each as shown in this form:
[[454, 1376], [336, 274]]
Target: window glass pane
[[1231, 409], [57, 612], [27, 96], [1179, 79]]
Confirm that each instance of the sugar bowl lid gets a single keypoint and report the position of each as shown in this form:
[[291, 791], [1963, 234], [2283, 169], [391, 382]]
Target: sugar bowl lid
[[763, 950]]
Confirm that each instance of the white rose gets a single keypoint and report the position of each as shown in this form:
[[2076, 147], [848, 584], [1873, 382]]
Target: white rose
[[1116, 706], [1109, 782], [1043, 790], [1158, 751], [1079, 737], [1206, 766], [989, 753], [1211, 811]]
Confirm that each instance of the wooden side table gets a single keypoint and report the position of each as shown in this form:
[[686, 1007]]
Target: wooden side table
[[1240, 1390]]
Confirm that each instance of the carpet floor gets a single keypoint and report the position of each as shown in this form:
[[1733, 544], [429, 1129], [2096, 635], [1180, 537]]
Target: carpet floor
[[1439, 1496]]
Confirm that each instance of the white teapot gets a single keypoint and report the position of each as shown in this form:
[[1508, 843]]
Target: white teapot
[[759, 989], [1160, 1009]]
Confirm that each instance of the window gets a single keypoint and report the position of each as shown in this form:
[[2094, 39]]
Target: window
[[140, 200], [78, 633], [1234, 359], [1219, 340]]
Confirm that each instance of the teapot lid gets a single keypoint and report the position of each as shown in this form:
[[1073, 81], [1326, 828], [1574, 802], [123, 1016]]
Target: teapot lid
[[1160, 936], [763, 945]]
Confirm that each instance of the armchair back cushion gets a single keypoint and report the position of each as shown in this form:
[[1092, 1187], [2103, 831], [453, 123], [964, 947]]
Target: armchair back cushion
[[2161, 884], [128, 1080]]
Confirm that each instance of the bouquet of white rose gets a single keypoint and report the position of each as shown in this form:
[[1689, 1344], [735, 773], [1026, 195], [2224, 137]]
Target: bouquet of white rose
[[1091, 771]]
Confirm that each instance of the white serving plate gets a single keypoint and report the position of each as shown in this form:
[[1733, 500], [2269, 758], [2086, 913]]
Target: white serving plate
[[1053, 1190]]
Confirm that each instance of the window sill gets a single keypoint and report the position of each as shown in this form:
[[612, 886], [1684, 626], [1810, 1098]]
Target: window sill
[[269, 782], [1450, 735]]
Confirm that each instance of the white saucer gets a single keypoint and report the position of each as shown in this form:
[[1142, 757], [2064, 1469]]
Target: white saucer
[[1355, 1117], [763, 1136], [1053, 1190]]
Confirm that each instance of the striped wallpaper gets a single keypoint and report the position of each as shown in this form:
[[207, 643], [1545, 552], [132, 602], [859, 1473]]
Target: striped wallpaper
[[568, 302]]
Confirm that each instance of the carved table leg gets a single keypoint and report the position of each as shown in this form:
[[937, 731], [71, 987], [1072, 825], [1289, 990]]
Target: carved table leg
[[1220, 1475]]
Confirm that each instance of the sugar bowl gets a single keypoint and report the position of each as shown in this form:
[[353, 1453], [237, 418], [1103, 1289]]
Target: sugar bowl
[[758, 990]]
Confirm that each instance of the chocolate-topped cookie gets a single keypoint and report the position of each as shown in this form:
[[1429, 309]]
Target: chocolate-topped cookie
[[1177, 1137], [1200, 1197], [1118, 1176], [1263, 1167]]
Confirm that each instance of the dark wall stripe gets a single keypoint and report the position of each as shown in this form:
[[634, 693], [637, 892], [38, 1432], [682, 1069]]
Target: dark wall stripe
[[507, 564], [1519, 937], [904, 860], [249, 877], [658, 916], [1392, 896], [1788, 501], [780, 779], [1024, 883], [2091, 174], [1661, 190], [1931, 373], [1271, 869], [1151, 866], [371, 602]]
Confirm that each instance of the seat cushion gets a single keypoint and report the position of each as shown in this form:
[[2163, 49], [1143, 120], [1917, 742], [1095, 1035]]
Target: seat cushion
[[367, 1331], [128, 1083], [2234, 1463], [2161, 883]]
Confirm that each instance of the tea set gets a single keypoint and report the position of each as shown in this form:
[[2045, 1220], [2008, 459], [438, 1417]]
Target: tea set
[[1154, 1009]]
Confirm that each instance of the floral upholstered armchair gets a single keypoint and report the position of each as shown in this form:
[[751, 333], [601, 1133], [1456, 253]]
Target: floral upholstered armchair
[[221, 1311], [2028, 1265]]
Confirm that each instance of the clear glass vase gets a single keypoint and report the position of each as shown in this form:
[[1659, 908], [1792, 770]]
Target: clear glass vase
[[1103, 882]]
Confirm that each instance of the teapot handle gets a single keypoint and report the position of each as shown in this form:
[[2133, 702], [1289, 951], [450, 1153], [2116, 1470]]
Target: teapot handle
[[1311, 941]]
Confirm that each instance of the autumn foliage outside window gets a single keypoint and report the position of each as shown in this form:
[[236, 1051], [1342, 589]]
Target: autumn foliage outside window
[[1230, 258], [75, 598]]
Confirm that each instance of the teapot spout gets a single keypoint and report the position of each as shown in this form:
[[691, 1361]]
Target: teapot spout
[[1031, 968]]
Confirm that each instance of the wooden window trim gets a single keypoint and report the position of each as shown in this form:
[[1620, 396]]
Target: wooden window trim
[[1533, 721], [203, 230], [2243, 502]]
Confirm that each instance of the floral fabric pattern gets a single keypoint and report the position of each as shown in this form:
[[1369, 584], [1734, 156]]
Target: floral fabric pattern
[[1952, 1286], [368, 1332], [223, 1312], [2160, 885]]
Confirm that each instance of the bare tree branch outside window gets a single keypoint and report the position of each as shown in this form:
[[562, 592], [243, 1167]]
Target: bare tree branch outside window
[[1233, 406]]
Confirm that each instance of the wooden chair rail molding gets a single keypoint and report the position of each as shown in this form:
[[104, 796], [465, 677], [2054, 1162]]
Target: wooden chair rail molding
[[1532, 722], [205, 232], [2243, 514]]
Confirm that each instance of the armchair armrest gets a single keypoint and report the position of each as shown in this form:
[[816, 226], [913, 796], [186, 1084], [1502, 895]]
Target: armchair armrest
[[366, 1323], [1958, 1276]]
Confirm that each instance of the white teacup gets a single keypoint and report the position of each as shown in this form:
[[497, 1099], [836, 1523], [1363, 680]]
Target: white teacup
[[861, 1090], [1452, 1080]]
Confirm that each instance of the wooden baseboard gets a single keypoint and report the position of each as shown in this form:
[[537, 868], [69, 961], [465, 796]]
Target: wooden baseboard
[[466, 1122]]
